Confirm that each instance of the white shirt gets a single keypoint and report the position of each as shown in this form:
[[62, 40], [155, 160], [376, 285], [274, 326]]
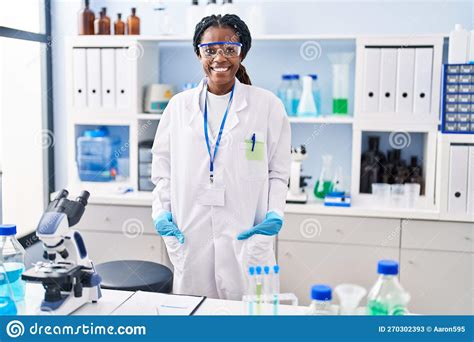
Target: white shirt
[[216, 106]]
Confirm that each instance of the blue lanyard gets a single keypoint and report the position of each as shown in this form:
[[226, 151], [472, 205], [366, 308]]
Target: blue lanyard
[[212, 157]]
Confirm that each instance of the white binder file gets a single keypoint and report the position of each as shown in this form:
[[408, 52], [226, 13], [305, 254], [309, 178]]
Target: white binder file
[[423, 75], [93, 78], [457, 186], [405, 80], [79, 78], [371, 80], [108, 77], [123, 77], [388, 78]]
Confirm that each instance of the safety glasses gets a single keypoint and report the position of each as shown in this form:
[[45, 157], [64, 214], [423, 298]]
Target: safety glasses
[[228, 49]]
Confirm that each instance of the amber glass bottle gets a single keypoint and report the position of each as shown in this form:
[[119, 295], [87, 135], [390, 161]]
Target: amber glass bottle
[[133, 23], [119, 25], [86, 20], [106, 22]]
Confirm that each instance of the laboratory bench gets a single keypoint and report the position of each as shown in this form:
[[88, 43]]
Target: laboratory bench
[[318, 244], [114, 302]]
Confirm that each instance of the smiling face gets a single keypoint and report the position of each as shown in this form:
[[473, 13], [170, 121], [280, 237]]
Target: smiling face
[[220, 70]]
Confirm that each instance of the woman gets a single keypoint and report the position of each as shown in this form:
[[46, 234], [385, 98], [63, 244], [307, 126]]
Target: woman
[[221, 160]]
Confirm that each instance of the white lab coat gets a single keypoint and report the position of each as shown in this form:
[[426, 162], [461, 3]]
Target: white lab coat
[[212, 262]]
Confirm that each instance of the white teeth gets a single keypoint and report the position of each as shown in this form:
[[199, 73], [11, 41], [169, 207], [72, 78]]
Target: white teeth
[[220, 69]]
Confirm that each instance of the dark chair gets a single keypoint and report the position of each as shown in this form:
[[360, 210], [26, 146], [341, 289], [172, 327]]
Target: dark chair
[[135, 275]]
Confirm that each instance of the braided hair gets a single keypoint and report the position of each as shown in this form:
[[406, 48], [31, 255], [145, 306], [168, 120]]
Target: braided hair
[[242, 33]]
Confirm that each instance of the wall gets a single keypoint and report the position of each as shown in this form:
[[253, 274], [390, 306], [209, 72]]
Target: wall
[[282, 17]]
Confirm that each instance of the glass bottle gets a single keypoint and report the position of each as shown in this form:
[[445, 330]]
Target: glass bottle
[[133, 23], [12, 265], [387, 297], [101, 24], [119, 25], [316, 93], [371, 166], [86, 20], [324, 184], [106, 22], [321, 296]]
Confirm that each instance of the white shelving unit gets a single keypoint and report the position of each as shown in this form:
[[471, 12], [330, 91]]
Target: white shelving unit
[[144, 52]]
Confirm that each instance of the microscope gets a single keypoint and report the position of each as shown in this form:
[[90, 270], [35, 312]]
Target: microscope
[[296, 192], [67, 274]]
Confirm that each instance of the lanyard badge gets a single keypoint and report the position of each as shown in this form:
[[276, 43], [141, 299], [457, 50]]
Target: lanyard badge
[[212, 156]]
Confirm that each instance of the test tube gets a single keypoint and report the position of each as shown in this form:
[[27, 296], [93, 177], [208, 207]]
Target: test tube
[[276, 288], [258, 288], [251, 289], [267, 285]]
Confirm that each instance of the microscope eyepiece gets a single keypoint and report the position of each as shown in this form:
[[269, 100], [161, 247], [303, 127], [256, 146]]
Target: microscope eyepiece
[[83, 197]]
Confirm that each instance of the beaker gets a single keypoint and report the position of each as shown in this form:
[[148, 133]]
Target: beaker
[[324, 184]]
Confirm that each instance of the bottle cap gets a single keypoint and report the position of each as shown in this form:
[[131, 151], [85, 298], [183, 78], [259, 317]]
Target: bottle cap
[[321, 292], [7, 229], [296, 76], [251, 270], [258, 269], [266, 269], [313, 76], [387, 267], [95, 133], [276, 269]]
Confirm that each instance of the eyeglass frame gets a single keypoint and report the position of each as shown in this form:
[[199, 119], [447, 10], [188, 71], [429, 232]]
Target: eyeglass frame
[[221, 43]]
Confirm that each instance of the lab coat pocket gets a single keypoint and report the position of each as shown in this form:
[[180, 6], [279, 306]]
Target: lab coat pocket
[[175, 252], [260, 251], [252, 160]]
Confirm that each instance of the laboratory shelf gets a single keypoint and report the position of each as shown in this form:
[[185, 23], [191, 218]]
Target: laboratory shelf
[[148, 116], [325, 119]]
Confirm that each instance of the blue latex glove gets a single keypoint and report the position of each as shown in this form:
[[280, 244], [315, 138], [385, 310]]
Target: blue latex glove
[[165, 227], [270, 226]]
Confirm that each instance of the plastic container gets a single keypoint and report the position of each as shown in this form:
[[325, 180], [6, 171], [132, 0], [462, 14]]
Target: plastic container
[[282, 92], [458, 45], [340, 81], [387, 296], [12, 266], [412, 193], [321, 296], [398, 198], [316, 93], [381, 194], [306, 105], [95, 156]]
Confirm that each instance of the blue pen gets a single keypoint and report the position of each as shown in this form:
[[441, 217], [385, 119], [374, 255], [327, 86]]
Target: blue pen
[[253, 141]]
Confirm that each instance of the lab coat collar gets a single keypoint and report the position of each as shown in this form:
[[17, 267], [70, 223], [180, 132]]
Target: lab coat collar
[[239, 102]]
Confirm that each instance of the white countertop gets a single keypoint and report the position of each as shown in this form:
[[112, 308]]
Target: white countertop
[[112, 299], [313, 207]]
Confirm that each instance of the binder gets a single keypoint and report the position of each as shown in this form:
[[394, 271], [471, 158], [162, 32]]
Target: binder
[[423, 76], [79, 78], [458, 174], [123, 77], [405, 80], [108, 77], [371, 74], [93, 78], [388, 79], [470, 183]]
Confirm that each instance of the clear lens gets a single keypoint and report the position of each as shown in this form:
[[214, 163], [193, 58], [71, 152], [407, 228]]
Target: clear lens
[[228, 50]]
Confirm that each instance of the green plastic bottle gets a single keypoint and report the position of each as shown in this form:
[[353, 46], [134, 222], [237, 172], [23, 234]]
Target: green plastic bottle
[[387, 297]]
